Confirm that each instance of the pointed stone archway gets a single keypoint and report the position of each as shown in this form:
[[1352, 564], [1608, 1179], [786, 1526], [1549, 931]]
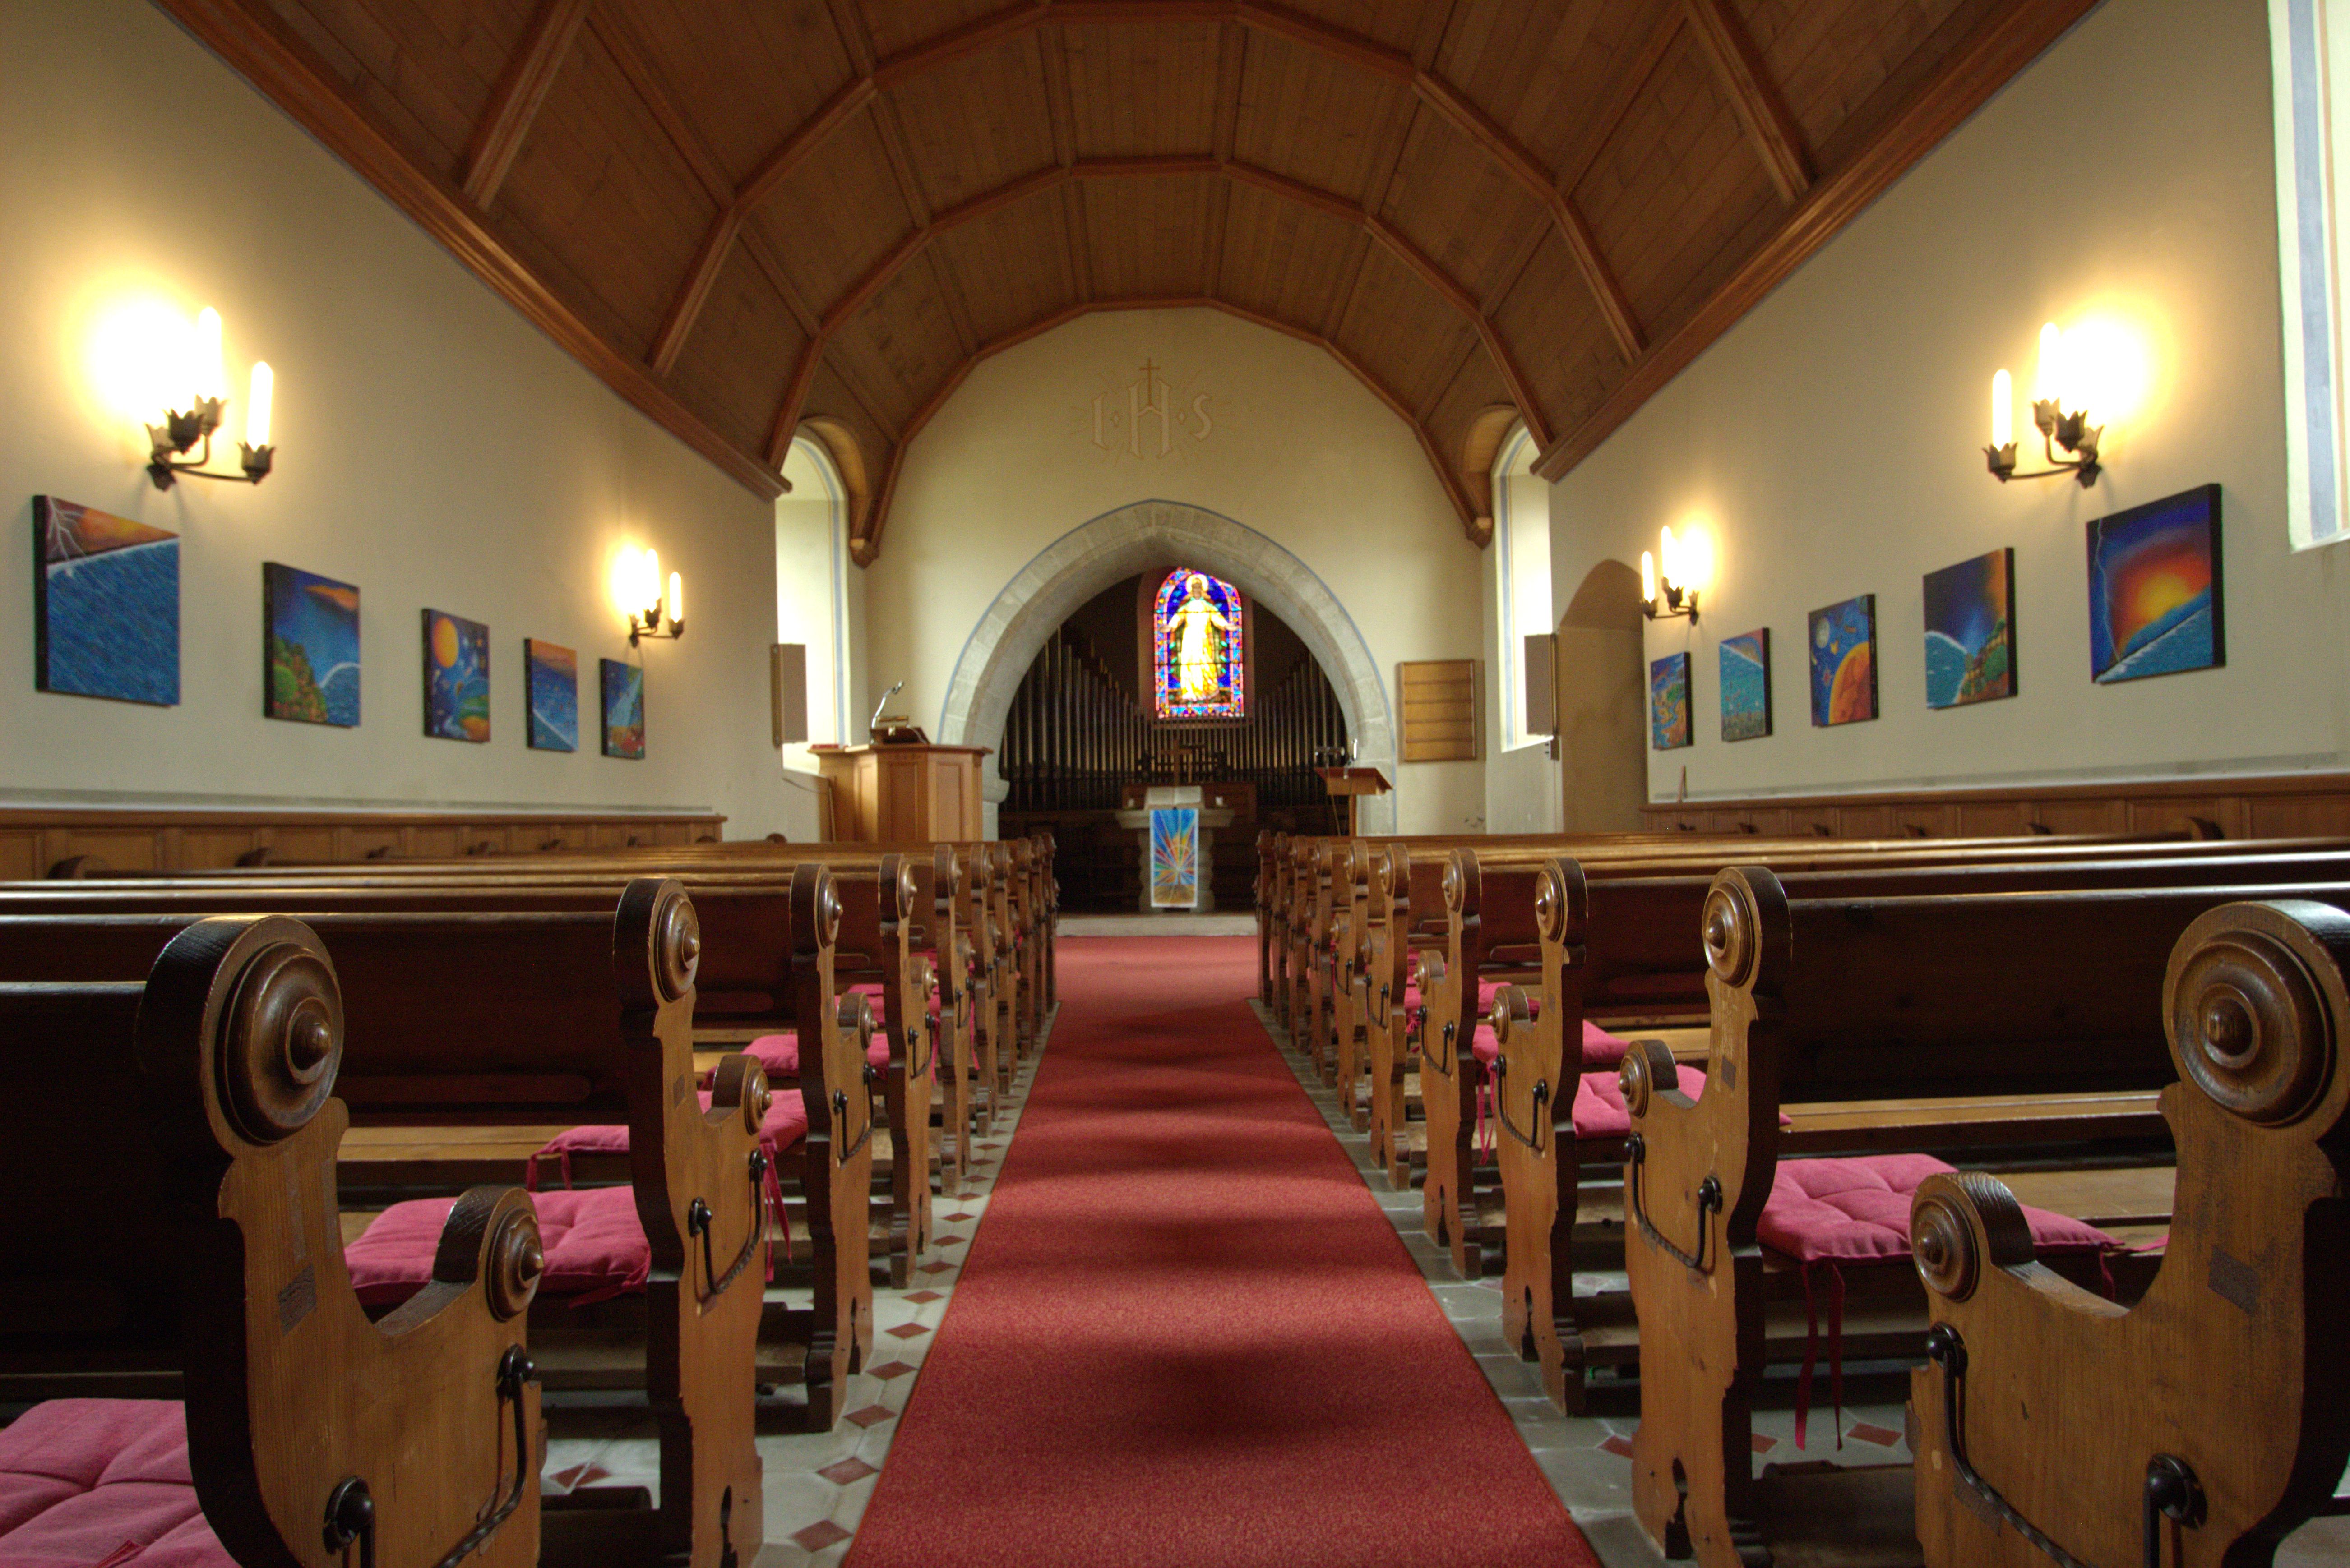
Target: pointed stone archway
[[1152, 536]]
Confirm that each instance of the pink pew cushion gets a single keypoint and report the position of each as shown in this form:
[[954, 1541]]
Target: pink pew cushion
[[595, 1246], [1600, 1049], [86, 1481], [1600, 1111], [785, 1124], [1856, 1211], [780, 1054]]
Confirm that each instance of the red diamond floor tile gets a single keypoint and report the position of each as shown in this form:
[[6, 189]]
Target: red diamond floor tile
[[925, 1298], [1883, 1436], [936, 1269], [819, 1535], [907, 1331], [890, 1369], [848, 1471], [1763, 1444], [870, 1417], [1620, 1446]]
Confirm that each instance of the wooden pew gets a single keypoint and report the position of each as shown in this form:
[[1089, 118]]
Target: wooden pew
[[469, 1017], [2208, 1421], [2048, 1005], [167, 1158], [1615, 944]]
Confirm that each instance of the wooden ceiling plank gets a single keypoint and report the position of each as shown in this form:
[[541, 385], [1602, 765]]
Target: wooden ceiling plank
[[953, 44], [1077, 236], [1232, 58], [620, 37], [1978, 70], [1052, 67], [855, 35], [949, 286], [776, 167], [1452, 374], [1343, 302], [1629, 87], [787, 416], [1762, 109], [522, 87], [685, 309], [772, 265]]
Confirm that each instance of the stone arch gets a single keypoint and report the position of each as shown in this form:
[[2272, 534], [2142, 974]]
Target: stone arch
[[1160, 534]]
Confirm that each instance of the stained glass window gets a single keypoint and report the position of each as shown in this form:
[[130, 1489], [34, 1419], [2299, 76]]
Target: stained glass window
[[1197, 623]]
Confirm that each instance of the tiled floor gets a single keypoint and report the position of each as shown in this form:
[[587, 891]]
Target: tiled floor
[[818, 1484]]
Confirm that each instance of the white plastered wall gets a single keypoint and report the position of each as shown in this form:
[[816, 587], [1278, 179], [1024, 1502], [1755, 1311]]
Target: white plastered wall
[[432, 449], [1831, 442], [1286, 444]]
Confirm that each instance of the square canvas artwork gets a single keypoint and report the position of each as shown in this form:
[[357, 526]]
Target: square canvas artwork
[[456, 677], [1970, 631], [2154, 588], [106, 605], [311, 673], [1843, 662], [1669, 703], [624, 708], [1746, 686], [552, 673]]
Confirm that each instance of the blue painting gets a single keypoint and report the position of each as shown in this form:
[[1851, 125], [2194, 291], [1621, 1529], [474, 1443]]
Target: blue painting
[[1746, 686], [456, 677], [312, 671], [1843, 662], [624, 708], [106, 605], [554, 681], [1669, 703], [1970, 631], [1175, 857], [2154, 588]]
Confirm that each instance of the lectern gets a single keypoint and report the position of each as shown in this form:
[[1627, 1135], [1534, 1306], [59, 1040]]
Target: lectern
[[1344, 786], [903, 794]]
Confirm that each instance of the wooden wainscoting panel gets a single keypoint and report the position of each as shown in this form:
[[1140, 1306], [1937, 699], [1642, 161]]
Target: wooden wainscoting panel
[[34, 842], [2292, 805]]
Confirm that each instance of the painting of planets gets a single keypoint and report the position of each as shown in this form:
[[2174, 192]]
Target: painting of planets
[[106, 605], [552, 672], [1669, 703], [1843, 662], [624, 708], [2154, 588], [311, 643], [1746, 686], [1970, 631], [456, 677]]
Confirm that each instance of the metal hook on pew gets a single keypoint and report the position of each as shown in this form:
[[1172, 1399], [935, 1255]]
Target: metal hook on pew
[[699, 1222], [350, 1507], [1708, 1201], [1535, 1142]]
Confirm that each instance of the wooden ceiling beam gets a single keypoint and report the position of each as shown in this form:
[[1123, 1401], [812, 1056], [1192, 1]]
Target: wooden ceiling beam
[[1762, 109], [288, 73], [1232, 64], [1967, 78], [522, 88], [865, 551]]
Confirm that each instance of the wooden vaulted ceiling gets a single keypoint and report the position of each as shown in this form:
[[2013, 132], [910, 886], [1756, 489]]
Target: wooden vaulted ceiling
[[758, 217]]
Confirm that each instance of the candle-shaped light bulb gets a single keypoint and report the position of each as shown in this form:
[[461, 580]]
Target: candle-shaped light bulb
[[650, 591], [211, 378], [676, 599], [1668, 557], [2052, 365], [258, 404], [2002, 409], [1648, 577]]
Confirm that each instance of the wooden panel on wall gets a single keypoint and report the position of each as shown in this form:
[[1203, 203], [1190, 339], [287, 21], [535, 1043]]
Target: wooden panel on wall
[[33, 842], [2305, 805], [1442, 721]]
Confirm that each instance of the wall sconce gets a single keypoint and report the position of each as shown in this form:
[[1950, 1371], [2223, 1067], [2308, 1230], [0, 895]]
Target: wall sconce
[[2058, 427], [179, 430], [648, 622], [1674, 591]]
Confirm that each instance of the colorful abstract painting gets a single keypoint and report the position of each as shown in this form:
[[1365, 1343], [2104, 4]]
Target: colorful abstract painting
[[1175, 857], [312, 627], [1746, 686], [1198, 625], [624, 708], [551, 672], [456, 677], [1970, 631], [106, 605], [2154, 588], [1669, 703], [1843, 661]]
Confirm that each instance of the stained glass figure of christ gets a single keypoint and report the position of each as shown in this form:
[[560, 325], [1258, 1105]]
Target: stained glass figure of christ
[[1197, 623]]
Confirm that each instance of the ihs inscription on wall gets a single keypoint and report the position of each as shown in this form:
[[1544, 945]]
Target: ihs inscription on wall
[[1154, 414]]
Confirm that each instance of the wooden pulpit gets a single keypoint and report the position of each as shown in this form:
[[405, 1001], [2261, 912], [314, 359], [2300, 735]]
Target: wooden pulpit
[[903, 794], [1345, 786]]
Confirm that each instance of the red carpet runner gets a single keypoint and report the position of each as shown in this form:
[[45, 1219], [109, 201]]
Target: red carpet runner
[[1186, 1335]]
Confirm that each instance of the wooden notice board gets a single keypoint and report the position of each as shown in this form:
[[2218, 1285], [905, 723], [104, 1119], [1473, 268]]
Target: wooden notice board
[[1440, 714]]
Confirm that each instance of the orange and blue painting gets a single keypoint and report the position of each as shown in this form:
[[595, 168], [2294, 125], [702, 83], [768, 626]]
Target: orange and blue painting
[[1669, 703], [312, 671], [2154, 588], [1970, 631], [1746, 685], [1175, 857], [456, 677], [1843, 662], [624, 708], [106, 605]]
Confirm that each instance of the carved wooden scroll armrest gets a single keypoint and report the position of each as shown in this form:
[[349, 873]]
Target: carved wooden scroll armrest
[[1651, 1084]]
